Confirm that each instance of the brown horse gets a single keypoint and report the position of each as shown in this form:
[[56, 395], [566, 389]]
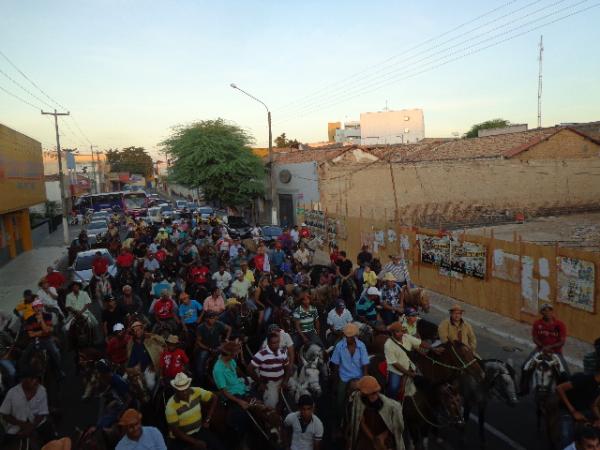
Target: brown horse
[[137, 385], [447, 365], [415, 298]]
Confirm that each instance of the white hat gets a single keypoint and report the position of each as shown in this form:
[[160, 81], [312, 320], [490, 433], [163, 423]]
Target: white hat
[[303, 224], [181, 382], [118, 327], [373, 291]]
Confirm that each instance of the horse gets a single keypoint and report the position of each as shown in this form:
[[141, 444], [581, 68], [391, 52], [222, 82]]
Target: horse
[[546, 373], [499, 383], [430, 409], [415, 298], [137, 384], [86, 368], [454, 360], [81, 333], [307, 379], [101, 287]]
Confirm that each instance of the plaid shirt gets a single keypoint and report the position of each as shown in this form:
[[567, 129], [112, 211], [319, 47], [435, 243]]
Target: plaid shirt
[[391, 296]]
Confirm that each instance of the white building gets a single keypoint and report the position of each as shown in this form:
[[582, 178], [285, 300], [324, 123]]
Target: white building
[[405, 126], [350, 134]]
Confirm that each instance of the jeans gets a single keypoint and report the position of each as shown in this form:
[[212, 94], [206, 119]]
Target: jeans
[[50, 346], [393, 385], [201, 360], [267, 314], [10, 370], [212, 442], [566, 426]]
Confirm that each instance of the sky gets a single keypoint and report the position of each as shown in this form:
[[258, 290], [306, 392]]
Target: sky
[[128, 71]]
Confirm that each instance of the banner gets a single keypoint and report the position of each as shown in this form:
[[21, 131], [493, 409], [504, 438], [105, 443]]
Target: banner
[[454, 258], [575, 283]]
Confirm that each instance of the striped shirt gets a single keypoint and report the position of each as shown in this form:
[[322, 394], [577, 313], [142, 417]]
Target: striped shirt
[[271, 365], [400, 271], [187, 416], [306, 317]]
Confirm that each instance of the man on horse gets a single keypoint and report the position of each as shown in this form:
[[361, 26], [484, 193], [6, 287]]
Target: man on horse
[[138, 437], [455, 328], [391, 299], [350, 361], [337, 319], [397, 267], [209, 337], [270, 369], [173, 359], [78, 305], [184, 416], [143, 351], [306, 322], [373, 420]]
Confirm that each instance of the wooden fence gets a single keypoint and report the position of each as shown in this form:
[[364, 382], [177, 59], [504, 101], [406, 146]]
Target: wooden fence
[[512, 278]]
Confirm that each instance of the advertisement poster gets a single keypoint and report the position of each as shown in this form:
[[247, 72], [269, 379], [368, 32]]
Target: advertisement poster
[[435, 250], [468, 258], [575, 280], [506, 266], [529, 286]]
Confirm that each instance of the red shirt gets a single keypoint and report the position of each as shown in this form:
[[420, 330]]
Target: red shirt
[[163, 309], [125, 259], [304, 233], [199, 274], [160, 255], [173, 362], [259, 262], [100, 265], [55, 279], [548, 333], [116, 349]]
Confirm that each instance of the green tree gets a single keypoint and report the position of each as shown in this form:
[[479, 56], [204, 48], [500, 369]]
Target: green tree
[[130, 159], [494, 123], [215, 156], [282, 141]]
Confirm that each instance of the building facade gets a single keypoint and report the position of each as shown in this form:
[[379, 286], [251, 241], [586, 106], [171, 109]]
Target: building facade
[[350, 134], [406, 126], [21, 187]]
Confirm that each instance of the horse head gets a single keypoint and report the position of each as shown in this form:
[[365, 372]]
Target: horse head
[[546, 368], [416, 298], [270, 422], [500, 381], [452, 404], [137, 383]]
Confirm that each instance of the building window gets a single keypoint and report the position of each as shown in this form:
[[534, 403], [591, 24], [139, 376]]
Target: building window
[[406, 118], [406, 130]]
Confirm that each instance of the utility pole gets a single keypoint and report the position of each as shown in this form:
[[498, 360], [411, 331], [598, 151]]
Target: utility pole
[[540, 83], [61, 179], [95, 182]]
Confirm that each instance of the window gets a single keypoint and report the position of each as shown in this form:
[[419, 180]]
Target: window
[[407, 130], [406, 118]]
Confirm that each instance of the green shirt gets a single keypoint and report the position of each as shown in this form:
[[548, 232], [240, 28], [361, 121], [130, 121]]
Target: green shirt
[[226, 377], [306, 317]]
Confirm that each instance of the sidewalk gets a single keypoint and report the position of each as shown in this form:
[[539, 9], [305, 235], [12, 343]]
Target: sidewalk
[[25, 270], [508, 329]]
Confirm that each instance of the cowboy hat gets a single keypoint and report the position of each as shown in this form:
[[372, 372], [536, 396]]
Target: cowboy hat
[[232, 302], [130, 416], [58, 444], [350, 330], [368, 385], [389, 276], [456, 307], [118, 327], [172, 339], [373, 291], [181, 382], [543, 307]]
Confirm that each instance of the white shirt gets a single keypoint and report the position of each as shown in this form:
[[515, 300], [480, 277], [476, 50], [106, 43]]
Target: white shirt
[[339, 321], [240, 288], [303, 256], [295, 235], [304, 440], [222, 281], [15, 404], [394, 354], [285, 340], [46, 298]]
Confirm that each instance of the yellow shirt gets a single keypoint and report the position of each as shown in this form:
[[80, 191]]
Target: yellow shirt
[[394, 354], [370, 279], [25, 310], [249, 276], [461, 332], [187, 416]]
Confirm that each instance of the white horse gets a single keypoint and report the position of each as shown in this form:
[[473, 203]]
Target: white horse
[[307, 380]]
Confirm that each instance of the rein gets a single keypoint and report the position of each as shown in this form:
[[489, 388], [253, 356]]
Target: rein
[[422, 416], [257, 425], [449, 366]]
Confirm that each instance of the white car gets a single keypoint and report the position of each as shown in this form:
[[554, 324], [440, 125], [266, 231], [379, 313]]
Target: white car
[[82, 266], [97, 229], [155, 215], [180, 204]]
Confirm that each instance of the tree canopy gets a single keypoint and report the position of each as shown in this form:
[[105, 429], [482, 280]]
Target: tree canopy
[[130, 159], [494, 123], [214, 155], [282, 141]]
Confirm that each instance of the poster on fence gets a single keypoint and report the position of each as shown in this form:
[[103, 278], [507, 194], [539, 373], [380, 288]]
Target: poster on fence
[[575, 282], [468, 258], [506, 266], [331, 230], [529, 286], [368, 239], [435, 250], [315, 220]]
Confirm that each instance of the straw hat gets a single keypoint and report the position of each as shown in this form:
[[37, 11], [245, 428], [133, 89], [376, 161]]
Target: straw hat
[[58, 444], [389, 276], [456, 307], [350, 330], [172, 339], [181, 382], [368, 385], [129, 417], [232, 302], [137, 323]]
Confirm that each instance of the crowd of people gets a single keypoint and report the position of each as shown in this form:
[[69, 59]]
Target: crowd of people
[[195, 322]]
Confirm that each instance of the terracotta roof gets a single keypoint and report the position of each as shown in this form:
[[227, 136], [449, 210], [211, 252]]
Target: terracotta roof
[[315, 154]]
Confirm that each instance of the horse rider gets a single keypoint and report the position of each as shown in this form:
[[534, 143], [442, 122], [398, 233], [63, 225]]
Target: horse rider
[[187, 427], [138, 437], [173, 359], [397, 267], [409, 320], [303, 429], [350, 361], [306, 323], [367, 307], [337, 319], [78, 304], [114, 394], [454, 328], [579, 403], [401, 370], [549, 335], [40, 333], [209, 336], [586, 439], [232, 388], [165, 311], [373, 420], [116, 347], [143, 351], [391, 299], [270, 368], [240, 286]]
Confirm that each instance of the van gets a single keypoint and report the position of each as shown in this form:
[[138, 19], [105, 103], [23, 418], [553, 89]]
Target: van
[[155, 215]]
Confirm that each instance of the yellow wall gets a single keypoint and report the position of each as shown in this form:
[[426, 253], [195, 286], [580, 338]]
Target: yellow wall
[[21, 171]]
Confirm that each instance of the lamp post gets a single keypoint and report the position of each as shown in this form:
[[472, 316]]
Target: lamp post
[[274, 216]]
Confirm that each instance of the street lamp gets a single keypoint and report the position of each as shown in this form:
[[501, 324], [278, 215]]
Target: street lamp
[[274, 217]]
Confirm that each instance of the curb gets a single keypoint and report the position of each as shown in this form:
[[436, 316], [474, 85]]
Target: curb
[[523, 342]]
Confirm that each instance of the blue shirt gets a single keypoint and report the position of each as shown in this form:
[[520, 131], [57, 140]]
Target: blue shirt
[[158, 287], [151, 439], [365, 307], [350, 366], [189, 313], [276, 258], [139, 355]]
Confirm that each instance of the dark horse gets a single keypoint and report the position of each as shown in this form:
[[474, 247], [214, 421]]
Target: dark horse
[[454, 360]]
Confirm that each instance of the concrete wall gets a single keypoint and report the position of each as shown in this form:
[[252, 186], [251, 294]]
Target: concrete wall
[[392, 127], [561, 174], [303, 185]]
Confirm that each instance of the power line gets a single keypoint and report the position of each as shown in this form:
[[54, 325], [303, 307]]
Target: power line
[[326, 88], [25, 89], [434, 65], [21, 99], [342, 89]]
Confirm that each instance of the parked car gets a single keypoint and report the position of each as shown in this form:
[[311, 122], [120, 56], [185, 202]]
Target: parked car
[[100, 215], [181, 204], [238, 227], [81, 270], [96, 230], [205, 212], [167, 212], [270, 233], [155, 214]]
